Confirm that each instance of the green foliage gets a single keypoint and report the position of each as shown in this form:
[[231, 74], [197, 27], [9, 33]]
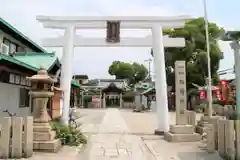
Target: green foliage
[[67, 134], [219, 102], [129, 96], [194, 53], [134, 72]]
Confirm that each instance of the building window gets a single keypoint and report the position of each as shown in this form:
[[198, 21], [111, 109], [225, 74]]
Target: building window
[[24, 98], [4, 76], [23, 81], [80, 81], [6, 42], [12, 78], [17, 79], [13, 47]]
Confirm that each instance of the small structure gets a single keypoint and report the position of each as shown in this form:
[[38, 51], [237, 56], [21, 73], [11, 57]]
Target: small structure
[[112, 96], [109, 91], [43, 136], [182, 131]]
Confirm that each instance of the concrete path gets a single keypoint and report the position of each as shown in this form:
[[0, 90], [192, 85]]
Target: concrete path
[[113, 141]]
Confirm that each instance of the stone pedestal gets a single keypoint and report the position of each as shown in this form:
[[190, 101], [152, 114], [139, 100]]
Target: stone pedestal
[[43, 136], [182, 133], [204, 123]]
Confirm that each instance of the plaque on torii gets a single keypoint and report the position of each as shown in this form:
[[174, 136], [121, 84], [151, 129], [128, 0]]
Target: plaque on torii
[[113, 32]]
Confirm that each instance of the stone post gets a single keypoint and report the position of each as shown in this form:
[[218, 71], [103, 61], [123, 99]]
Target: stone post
[[121, 101], [180, 92], [104, 100], [82, 100], [181, 132], [100, 99], [43, 136]]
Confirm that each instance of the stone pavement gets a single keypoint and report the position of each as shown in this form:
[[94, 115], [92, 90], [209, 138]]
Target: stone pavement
[[124, 135], [163, 150], [113, 141]]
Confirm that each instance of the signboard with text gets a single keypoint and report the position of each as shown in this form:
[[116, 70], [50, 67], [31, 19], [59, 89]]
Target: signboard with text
[[180, 89]]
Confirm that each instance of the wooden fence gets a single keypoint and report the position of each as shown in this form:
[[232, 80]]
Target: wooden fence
[[16, 138]]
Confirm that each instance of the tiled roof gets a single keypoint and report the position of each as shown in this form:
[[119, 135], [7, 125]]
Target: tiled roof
[[15, 61], [75, 83], [47, 60]]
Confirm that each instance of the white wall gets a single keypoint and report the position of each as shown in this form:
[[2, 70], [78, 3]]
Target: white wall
[[9, 99]]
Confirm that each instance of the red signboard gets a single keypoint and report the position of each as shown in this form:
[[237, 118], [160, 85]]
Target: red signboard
[[95, 99]]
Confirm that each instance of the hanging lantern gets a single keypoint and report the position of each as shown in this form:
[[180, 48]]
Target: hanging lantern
[[224, 89], [202, 94], [218, 94]]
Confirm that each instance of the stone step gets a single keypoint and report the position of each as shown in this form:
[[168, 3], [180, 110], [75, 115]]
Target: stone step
[[182, 137]]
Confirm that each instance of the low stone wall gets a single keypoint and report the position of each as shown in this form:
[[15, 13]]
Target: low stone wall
[[223, 110], [224, 136], [128, 105], [94, 105]]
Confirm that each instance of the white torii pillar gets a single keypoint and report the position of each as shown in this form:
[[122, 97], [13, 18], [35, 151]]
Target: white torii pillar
[[157, 41], [160, 80], [66, 71]]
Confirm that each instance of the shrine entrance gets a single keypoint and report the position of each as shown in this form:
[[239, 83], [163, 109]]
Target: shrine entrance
[[112, 96], [113, 38]]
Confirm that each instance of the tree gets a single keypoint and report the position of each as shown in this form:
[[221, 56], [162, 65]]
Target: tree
[[134, 72], [194, 53]]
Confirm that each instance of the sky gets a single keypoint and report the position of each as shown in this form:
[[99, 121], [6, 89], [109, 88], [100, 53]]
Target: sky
[[95, 61]]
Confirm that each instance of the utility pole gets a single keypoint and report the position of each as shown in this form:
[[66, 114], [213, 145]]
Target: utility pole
[[209, 82], [149, 67]]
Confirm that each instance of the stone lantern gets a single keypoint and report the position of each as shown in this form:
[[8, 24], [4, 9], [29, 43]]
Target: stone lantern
[[41, 91]]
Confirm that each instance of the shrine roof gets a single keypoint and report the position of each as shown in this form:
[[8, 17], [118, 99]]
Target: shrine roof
[[17, 62], [8, 28], [147, 91], [112, 87], [79, 76], [75, 83], [35, 60]]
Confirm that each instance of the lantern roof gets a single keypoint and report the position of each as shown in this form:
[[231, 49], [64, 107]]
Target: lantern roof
[[41, 76]]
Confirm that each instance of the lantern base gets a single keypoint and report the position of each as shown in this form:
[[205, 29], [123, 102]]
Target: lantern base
[[44, 138]]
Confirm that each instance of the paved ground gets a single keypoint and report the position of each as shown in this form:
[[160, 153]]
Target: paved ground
[[124, 135], [113, 140]]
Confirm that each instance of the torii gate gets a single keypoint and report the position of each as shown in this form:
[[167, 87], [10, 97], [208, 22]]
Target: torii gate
[[113, 23]]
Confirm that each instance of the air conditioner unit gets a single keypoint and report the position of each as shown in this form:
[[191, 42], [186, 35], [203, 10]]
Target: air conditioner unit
[[4, 49]]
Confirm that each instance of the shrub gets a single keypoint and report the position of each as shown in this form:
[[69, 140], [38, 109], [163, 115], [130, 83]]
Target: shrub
[[67, 134]]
